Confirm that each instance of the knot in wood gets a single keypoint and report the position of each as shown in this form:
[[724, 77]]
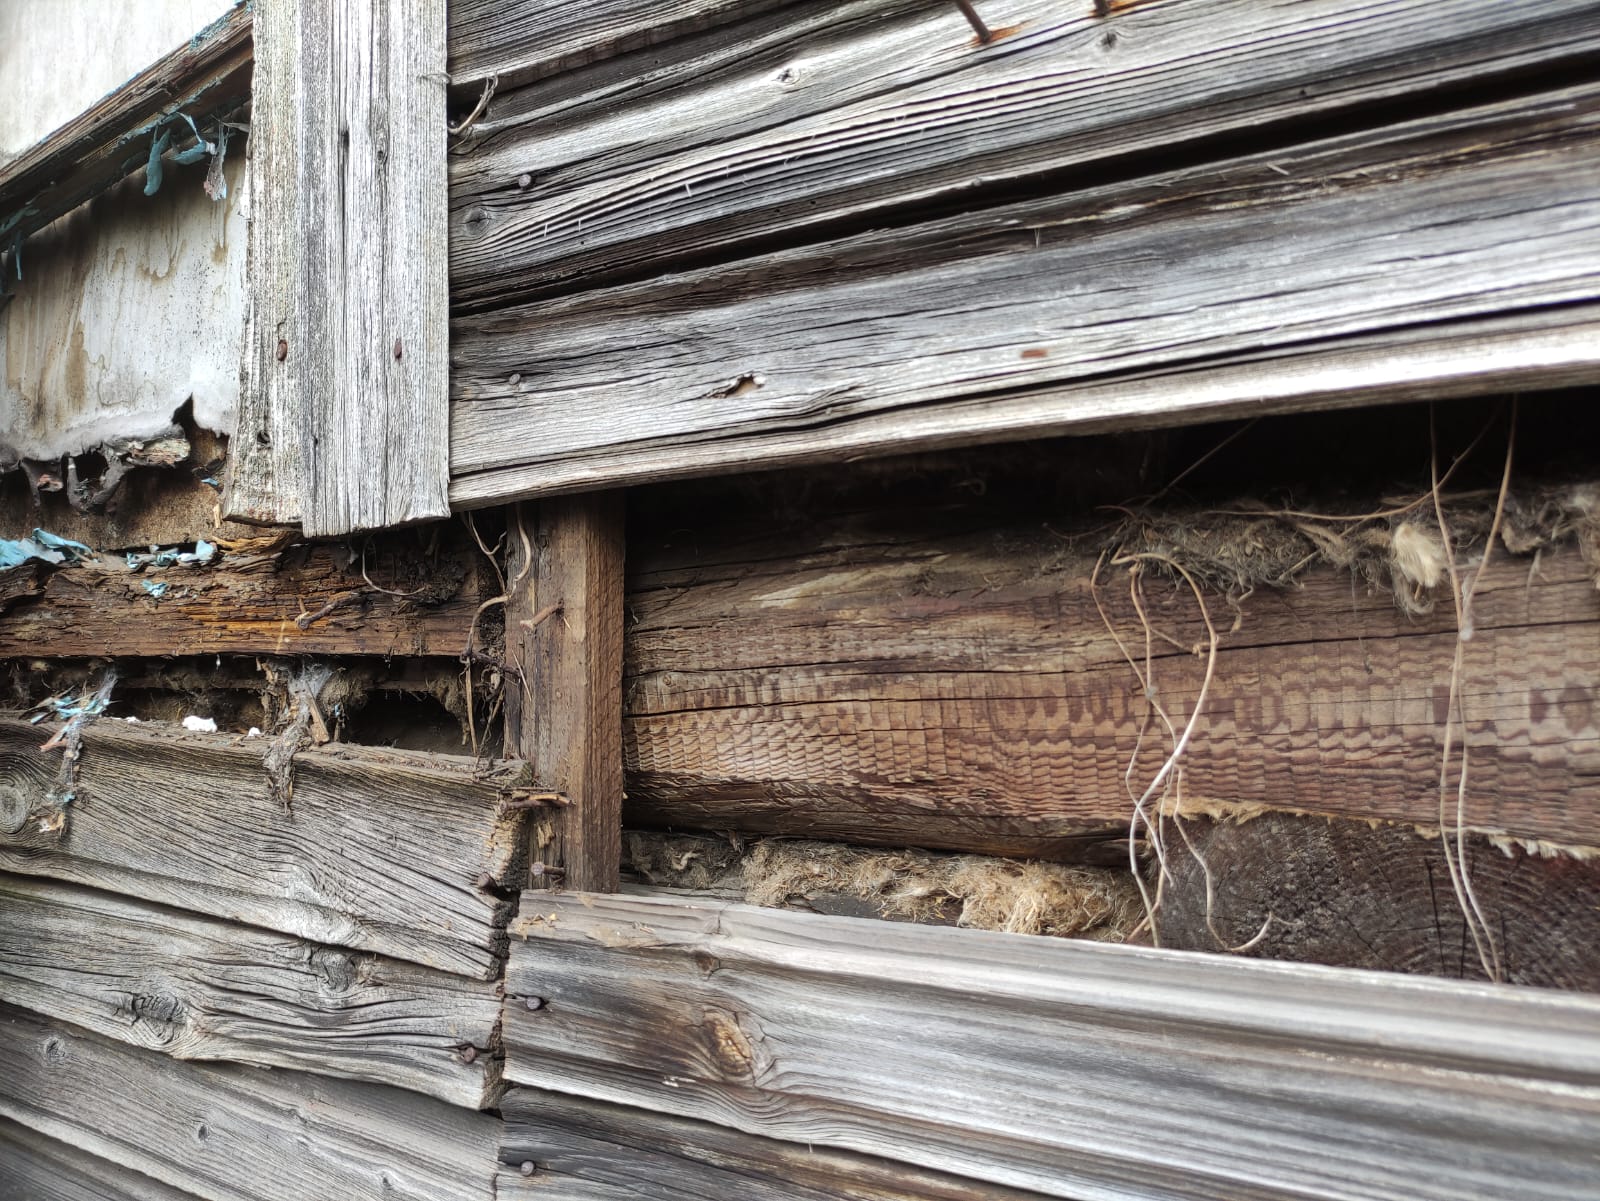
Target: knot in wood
[[15, 806], [730, 1049], [336, 969]]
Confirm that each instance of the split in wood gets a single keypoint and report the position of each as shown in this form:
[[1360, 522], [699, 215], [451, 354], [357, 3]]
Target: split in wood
[[535, 800]]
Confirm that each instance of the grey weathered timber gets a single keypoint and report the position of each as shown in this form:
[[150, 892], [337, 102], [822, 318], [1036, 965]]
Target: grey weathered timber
[[199, 988], [343, 418], [207, 79], [1067, 314], [564, 683], [582, 1150], [1079, 1070], [822, 115], [380, 851], [232, 1133], [514, 41], [36, 1168]]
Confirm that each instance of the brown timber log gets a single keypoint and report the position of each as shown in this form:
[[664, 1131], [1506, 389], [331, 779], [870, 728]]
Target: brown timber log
[[929, 681]]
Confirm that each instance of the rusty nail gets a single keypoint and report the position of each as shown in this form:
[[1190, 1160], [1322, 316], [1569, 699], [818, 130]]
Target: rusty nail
[[524, 181], [283, 350], [542, 869], [527, 1168], [971, 14], [468, 1053], [534, 1003], [397, 348]]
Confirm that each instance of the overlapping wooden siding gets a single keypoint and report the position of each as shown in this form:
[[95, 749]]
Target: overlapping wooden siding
[[199, 988], [41, 1169], [1218, 200], [390, 852], [1051, 1066], [233, 1133]]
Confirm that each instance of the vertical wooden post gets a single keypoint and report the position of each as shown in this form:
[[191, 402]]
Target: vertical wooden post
[[564, 681]]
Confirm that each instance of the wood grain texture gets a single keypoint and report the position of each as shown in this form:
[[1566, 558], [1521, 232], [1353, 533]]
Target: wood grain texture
[[517, 41], [944, 678], [1044, 1064], [207, 78], [199, 988], [35, 1168], [382, 851], [863, 342], [232, 1133], [1357, 895], [343, 423], [308, 599], [564, 690], [589, 1151], [823, 116]]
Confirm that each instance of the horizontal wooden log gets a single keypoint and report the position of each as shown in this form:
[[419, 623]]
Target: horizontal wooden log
[[824, 116], [391, 852], [1167, 275], [307, 599], [563, 1148], [944, 679], [525, 40], [35, 1168], [230, 1133], [207, 78], [1355, 894], [198, 988], [1046, 1064]]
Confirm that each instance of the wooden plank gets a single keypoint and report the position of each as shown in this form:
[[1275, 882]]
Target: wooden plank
[[35, 1168], [231, 1133], [828, 117], [206, 78], [397, 596], [864, 342], [1046, 1064], [198, 988], [564, 689], [563, 1148], [344, 418], [381, 851], [942, 677], [1355, 894], [523, 40]]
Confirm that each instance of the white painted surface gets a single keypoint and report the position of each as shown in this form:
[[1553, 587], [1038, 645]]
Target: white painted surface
[[57, 57]]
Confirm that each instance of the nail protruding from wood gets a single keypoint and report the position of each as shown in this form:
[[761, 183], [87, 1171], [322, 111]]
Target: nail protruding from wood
[[524, 180], [534, 1003], [973, 19], [544, 871], [283, 350], [398, 349], [467, 1053], [527, 1167]]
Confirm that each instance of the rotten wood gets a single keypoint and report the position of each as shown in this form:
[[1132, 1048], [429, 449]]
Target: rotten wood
[[43, 1169], [303, 599], [1044, 1064], [397, 853], [579, 1149], [198, 988], [207, 78], [832, 116], [231, 1133], [344, 412], [943, 678], [564, 683], [825, 350], [1354, 894]]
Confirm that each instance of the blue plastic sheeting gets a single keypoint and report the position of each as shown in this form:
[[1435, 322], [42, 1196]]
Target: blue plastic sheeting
[[43, 546], [203, 552]]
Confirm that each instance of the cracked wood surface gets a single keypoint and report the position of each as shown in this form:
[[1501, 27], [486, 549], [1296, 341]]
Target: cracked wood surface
[[942, 678], [1045, 1064], [198, 988], [382, 851], [225, 1132], [990, 323]]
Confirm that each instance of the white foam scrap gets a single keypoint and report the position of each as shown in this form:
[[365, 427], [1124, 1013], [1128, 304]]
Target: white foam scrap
[[254, 733], [200, 725], [132, 721]]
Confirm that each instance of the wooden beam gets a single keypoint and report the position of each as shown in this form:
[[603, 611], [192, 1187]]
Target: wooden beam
[[817, 351], [203, 989], [564, 683], [390, 852], [943, 678], [42, 1169], [1045, 1064], [230, 1133], [344, 414], [564, 1147], [207, 79], [862, 115], [395, 597]]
